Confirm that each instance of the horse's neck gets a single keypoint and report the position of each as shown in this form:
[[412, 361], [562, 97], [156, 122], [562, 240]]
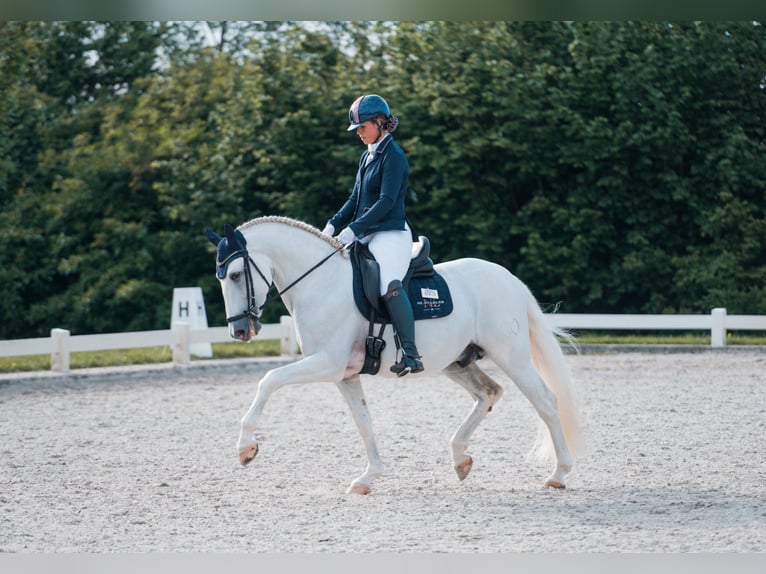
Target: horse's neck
[[292, 252]]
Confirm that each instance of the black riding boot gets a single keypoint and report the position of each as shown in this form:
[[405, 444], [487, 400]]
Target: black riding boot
[[400, 311]]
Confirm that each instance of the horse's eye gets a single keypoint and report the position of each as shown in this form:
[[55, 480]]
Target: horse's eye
[[234, 276]]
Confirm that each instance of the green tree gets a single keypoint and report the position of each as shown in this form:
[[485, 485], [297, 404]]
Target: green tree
[[613, 166], [57, 199]]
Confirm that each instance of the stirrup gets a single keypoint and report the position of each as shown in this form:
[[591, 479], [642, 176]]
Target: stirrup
[[407, 364]]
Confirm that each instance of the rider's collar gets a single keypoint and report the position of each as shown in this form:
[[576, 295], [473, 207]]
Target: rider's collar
[[373, 147]]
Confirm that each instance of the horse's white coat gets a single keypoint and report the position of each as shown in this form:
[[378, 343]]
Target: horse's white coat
[[492, 309]]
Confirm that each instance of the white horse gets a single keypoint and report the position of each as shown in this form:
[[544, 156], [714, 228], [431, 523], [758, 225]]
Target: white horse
[[493, 310]]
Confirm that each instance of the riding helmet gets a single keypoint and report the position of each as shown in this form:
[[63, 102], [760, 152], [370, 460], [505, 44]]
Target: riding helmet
[[366, 108]]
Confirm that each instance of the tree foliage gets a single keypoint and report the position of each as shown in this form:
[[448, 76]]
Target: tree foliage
[[613, 166]]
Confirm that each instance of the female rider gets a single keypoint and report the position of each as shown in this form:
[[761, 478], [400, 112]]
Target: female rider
[[374, 214]]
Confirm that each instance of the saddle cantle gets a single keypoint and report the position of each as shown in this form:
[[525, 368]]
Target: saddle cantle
[[427, 290]]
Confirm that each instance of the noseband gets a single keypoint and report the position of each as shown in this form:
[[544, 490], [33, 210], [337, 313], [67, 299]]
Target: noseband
[[253, 310]]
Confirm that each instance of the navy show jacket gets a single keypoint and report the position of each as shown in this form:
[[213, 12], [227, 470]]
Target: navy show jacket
[[377, 200]]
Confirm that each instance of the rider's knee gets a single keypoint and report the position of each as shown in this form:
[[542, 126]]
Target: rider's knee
[[394, 288]]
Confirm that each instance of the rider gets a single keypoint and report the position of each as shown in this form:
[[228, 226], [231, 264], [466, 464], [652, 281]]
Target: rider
[[374, 214]]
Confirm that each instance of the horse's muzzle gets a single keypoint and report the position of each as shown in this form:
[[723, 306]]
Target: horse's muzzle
[[244, 329]]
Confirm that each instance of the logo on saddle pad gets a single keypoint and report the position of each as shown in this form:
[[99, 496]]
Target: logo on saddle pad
[[427, 293], [430, 304]]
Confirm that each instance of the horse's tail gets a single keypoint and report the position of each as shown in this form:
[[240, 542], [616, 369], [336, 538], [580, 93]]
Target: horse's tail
[[549, 360]]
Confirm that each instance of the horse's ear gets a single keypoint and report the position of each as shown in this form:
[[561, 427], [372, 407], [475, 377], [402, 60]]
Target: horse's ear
[[214, 238], [233, 237]]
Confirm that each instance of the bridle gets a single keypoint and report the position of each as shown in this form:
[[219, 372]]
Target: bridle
[[254, 310]]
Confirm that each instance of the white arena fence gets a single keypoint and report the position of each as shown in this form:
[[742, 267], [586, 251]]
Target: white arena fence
[[61, 343]]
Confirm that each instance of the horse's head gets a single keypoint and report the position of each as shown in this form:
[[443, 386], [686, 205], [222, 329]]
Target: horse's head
[[240, 293]]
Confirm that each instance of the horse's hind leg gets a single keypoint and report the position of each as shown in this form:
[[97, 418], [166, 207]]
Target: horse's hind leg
[[544, 401], [486, 393], [352, 391]]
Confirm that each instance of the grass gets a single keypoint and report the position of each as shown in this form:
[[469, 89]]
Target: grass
[[596, 338], [144, 355], [271, 348]]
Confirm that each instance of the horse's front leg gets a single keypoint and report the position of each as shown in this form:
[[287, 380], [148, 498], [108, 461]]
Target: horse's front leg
[[352, 391], [316, 367]]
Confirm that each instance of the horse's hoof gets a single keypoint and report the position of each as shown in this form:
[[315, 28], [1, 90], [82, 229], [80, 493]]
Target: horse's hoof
[[247, 454], [358, 489], [555, 483], [464, 468]]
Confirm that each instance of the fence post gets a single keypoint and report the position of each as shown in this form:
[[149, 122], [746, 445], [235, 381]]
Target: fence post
[[181, 343], [718, 327], [60, 354], [289, 344]]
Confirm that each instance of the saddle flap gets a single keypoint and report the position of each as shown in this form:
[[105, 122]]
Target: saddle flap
[[369, 270]]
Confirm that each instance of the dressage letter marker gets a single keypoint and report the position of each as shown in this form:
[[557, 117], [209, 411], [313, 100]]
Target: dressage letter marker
[[189, 306]]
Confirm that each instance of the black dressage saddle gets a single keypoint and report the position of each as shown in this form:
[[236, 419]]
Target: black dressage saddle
[[427, 290]]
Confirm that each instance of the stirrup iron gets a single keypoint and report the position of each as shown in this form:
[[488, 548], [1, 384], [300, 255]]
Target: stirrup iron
[[406, 365]]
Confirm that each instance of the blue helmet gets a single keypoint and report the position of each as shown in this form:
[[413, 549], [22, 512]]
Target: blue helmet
[[366, 108]]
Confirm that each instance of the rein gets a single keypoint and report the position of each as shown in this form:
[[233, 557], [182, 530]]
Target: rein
[[253, 309]]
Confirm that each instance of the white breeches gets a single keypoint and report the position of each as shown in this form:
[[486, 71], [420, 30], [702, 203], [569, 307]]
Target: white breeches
[[393, 252]]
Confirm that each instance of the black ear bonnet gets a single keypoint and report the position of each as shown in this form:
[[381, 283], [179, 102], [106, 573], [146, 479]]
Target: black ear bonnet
[[229, 248]]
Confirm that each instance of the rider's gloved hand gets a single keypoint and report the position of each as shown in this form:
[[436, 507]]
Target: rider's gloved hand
[[329, 229], [346, 236]]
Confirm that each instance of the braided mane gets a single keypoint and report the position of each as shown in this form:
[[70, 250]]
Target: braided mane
[[292, 223]]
